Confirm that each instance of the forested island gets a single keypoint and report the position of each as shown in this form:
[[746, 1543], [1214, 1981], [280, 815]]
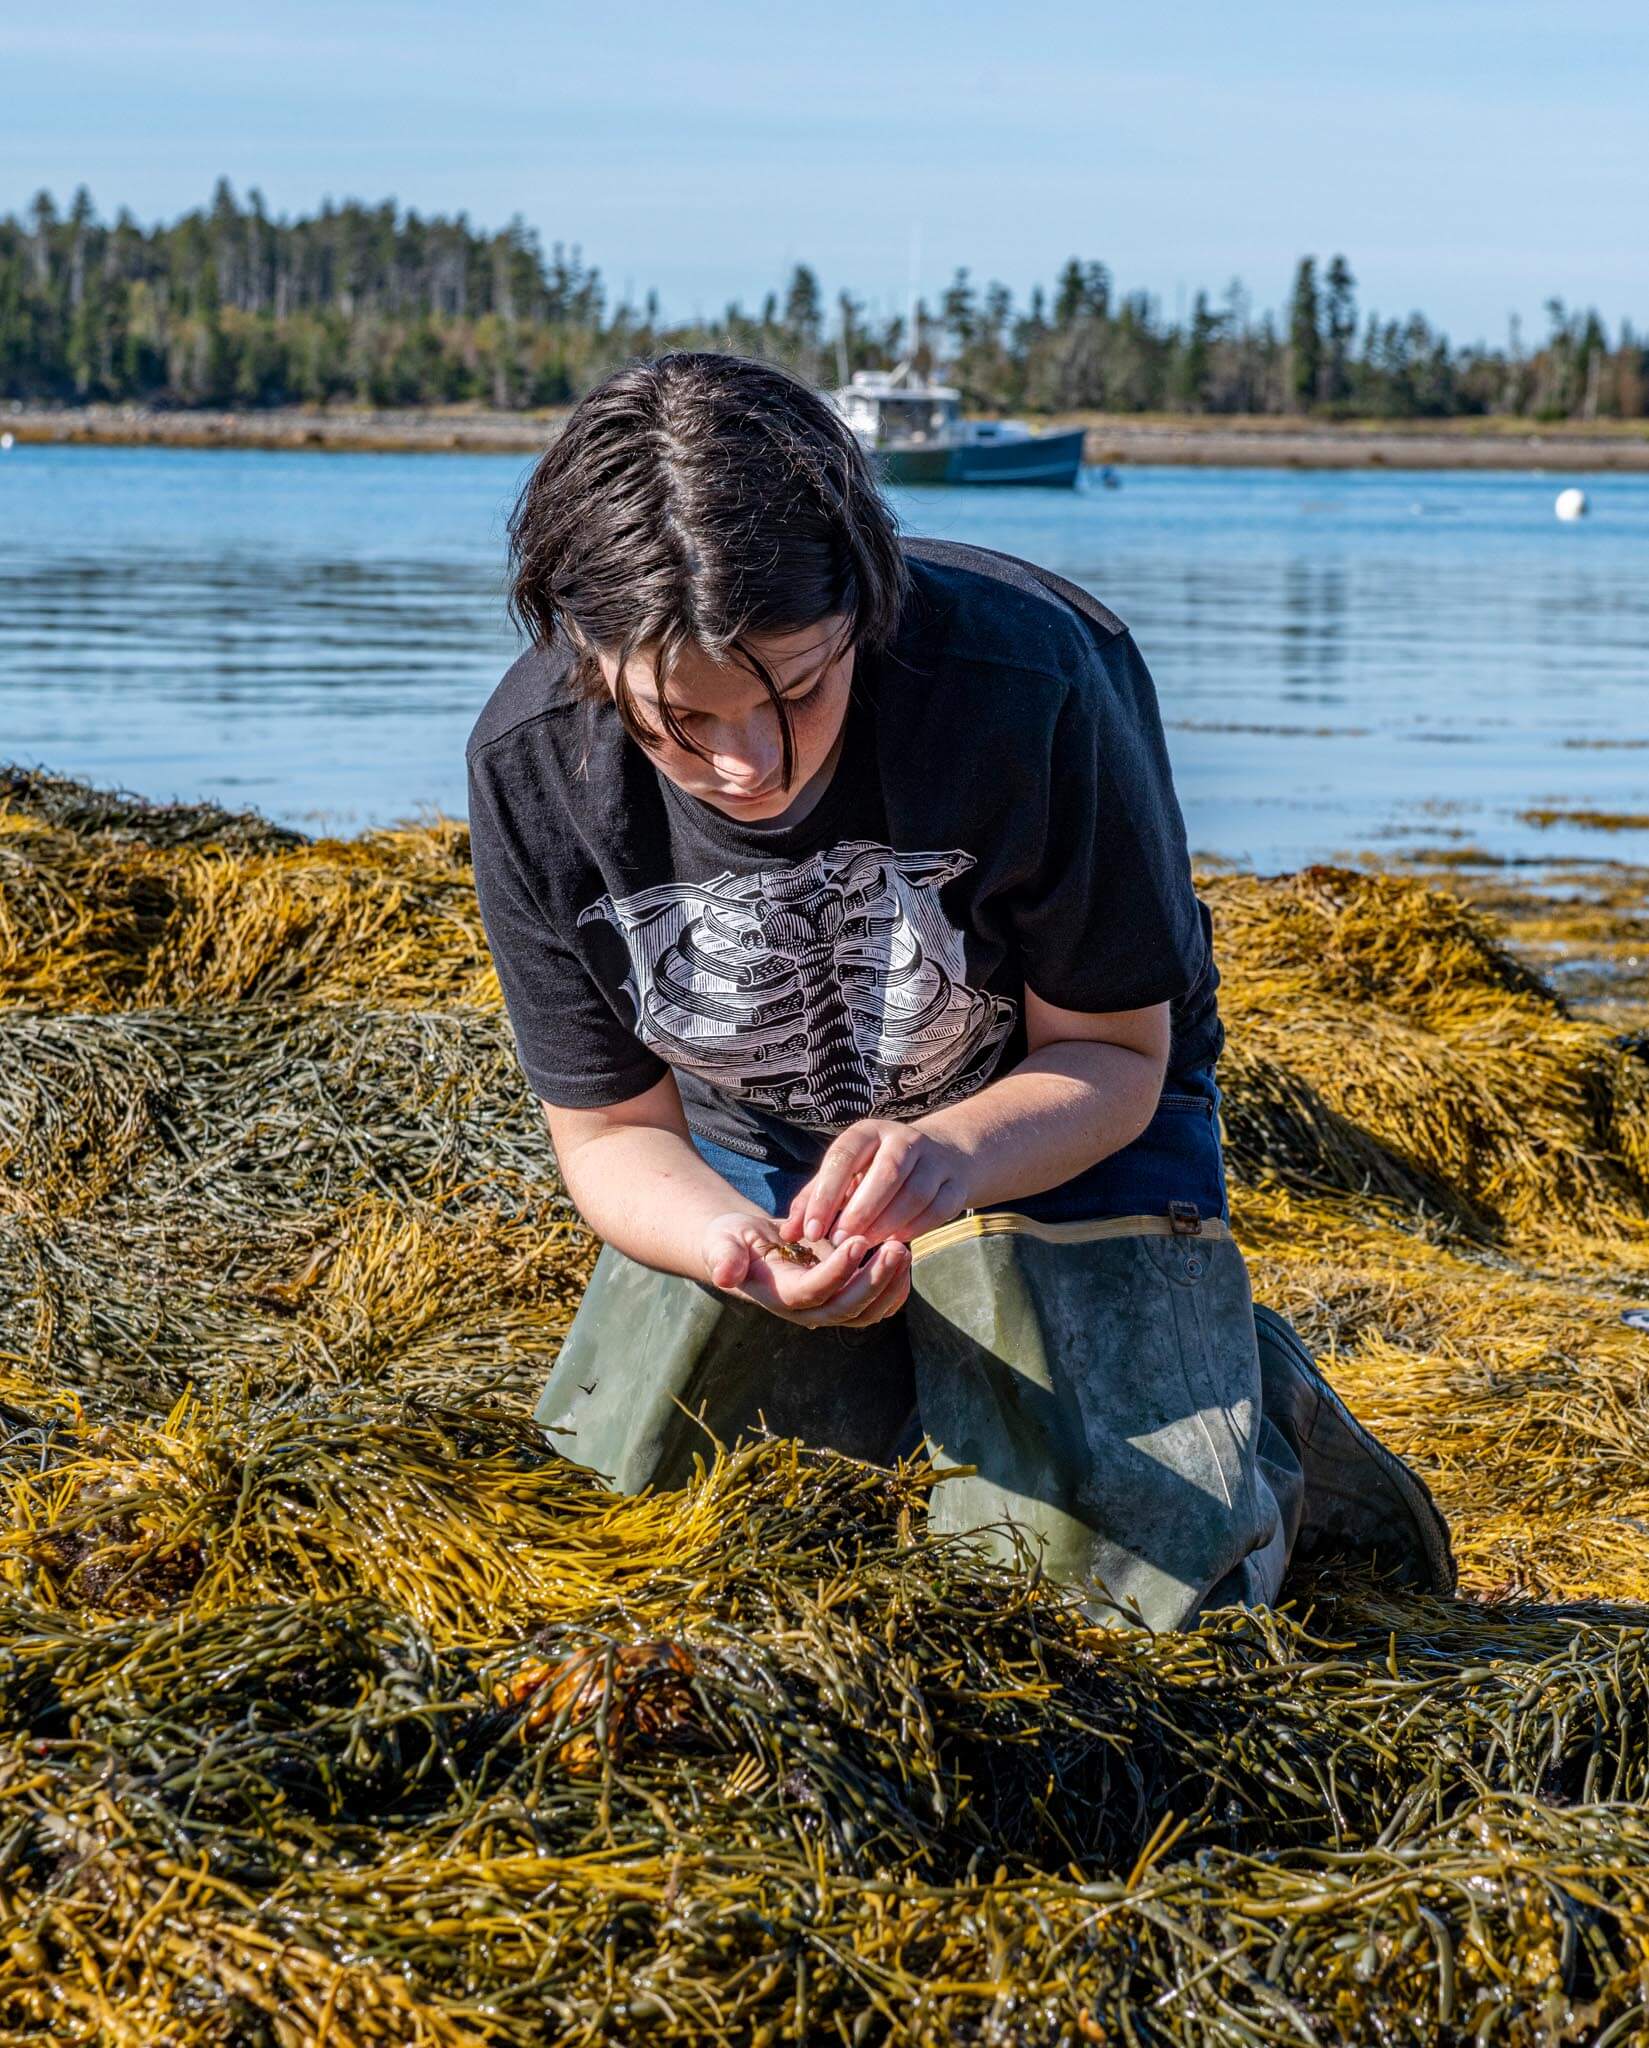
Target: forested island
[[373, 306]]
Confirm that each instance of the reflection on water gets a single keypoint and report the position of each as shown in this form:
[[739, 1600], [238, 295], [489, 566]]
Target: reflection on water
[[1344, 662], [309, 636]]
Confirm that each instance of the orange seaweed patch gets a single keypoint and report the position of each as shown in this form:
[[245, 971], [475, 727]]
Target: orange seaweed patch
[[636, 1692]]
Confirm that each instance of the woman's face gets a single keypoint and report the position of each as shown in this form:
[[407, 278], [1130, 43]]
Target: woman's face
[[728, 714]]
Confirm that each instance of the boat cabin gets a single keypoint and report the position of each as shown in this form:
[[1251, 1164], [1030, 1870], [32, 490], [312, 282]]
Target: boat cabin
[[886, 408]]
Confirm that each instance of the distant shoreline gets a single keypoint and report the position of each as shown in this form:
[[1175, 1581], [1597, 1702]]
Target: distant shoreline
[[1123, 440]]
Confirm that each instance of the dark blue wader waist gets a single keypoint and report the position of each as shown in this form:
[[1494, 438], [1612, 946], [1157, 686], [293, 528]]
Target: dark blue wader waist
[[1176, 1158]]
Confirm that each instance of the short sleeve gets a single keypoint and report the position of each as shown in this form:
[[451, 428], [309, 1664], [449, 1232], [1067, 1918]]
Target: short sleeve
[[577, 1053], [1108, 918]]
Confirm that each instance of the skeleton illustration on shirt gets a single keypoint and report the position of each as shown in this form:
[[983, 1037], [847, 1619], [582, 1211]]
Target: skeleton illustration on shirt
[[822, 991]]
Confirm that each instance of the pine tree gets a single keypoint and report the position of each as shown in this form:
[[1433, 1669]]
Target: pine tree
[[803, 309], [1339, 330], [1069, 295], [1083, 293], [959, 313], [1193, 368], [1305, 339]]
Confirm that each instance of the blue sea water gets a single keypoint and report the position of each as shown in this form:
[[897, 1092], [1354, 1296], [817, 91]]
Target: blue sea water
[[1346, 662]]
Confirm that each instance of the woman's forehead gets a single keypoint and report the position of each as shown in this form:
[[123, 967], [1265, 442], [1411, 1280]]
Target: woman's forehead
[[694, 678]]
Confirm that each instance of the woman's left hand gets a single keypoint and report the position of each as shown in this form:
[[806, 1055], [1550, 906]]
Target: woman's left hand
[[881, 1180]]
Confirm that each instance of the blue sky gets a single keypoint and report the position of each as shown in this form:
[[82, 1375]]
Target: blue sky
[[1471, 159]]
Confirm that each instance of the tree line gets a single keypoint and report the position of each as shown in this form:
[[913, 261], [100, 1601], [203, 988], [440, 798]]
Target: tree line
[[376, 306]]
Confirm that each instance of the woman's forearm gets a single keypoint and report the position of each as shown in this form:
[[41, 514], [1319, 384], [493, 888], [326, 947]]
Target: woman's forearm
[[639, 1183], [648, 1193], [1060, 1111]]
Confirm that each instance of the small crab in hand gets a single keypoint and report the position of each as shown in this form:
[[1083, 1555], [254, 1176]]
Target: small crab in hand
[[792, 1254]]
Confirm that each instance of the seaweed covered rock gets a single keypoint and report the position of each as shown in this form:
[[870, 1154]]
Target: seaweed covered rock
[[109, 903], [334, 1707], [1382, 1039]]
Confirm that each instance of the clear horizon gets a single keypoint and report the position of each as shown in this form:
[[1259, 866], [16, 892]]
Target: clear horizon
[[1470, 166]]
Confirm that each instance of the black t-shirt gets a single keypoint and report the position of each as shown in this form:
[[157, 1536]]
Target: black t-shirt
[[1002, 813]]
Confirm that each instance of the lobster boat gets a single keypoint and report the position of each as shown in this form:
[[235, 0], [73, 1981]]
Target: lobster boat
[[918, 436]]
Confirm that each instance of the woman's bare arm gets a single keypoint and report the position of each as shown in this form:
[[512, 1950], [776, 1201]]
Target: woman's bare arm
[[1088, 1086], [638, 1182]]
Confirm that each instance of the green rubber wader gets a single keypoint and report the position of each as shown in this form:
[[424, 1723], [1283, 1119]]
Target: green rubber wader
[[1096, 1389], [1102, 1382], [657, 1370]]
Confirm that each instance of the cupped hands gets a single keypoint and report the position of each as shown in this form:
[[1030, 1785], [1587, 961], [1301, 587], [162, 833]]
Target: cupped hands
[[881, 1181], [851, 1284]]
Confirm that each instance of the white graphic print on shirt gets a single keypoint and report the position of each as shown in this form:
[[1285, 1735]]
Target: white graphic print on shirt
[[822, 991]]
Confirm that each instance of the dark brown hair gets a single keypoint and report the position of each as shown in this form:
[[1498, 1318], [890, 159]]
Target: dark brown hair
[[695, 500]]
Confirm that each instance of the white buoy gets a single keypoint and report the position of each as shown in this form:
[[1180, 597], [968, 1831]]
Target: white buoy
[[1571, 504], [8, 441]]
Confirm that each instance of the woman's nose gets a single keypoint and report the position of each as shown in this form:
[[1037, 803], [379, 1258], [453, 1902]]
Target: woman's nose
[[746, 753]]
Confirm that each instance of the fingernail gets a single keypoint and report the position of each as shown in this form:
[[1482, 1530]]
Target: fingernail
[[814, 1227]]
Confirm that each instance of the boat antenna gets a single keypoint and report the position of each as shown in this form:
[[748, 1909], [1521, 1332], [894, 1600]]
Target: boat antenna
[[913, 340]]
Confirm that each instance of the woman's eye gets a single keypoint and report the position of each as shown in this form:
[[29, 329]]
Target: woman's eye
[[795, 697]]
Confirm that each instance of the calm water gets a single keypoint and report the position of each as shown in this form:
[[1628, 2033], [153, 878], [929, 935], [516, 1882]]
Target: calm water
[[1344, 662]]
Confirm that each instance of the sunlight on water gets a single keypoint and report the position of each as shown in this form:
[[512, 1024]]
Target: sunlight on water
[[1345, 662]]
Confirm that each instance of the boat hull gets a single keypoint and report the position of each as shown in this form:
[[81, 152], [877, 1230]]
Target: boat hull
[[1050, 460], [915, 465]]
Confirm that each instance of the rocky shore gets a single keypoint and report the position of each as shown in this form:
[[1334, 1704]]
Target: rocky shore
[[1181, 441]]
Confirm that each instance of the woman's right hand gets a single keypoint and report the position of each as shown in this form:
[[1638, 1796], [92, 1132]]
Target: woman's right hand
[[845, 1290]]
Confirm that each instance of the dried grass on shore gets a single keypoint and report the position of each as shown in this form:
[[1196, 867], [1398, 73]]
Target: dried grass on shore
[[282, 1258]]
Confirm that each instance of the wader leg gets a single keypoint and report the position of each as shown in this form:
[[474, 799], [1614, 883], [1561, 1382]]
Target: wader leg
[[1104, 1382], [645, 1346], [1358, 1500]]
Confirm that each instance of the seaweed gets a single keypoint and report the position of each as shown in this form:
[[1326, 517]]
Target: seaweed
[[335, 1707]]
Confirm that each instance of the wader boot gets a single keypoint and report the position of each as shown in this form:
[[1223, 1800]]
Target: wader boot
[[646, 1346], [1359, 1500], [1102, 1382]]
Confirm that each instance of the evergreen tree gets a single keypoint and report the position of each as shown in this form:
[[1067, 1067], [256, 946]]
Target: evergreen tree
[[1339, 330], [957, 311], [1305, 339], [803, 309], [1069, 294], [1083, 293], [1193, 371]]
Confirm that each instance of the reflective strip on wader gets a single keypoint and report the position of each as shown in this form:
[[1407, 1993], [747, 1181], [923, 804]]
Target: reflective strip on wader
[[1008, 1222]]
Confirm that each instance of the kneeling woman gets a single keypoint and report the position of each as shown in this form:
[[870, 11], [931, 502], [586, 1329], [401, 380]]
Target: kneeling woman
[[840, 900]]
